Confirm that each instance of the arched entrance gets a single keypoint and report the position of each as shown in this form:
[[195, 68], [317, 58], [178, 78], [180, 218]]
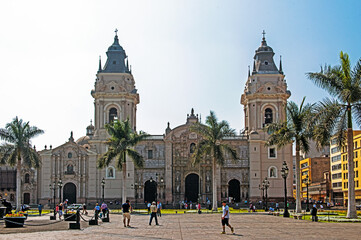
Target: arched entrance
[[192, 187], [234, 190], [69, 192], [150, 191]]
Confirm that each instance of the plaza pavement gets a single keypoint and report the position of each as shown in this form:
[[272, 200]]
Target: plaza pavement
[[203, 226]]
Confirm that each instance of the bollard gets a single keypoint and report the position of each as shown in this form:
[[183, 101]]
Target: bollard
[[77, 224], [106, 219], [94, 221]]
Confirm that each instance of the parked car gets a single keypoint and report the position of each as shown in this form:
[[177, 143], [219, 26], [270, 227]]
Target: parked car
[[358, 207]]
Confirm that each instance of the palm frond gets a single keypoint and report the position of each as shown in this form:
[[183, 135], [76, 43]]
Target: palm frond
[[231, 151], [136, 157], [327, 81]]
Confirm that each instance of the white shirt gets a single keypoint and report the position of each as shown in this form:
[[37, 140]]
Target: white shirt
[[225, 210]]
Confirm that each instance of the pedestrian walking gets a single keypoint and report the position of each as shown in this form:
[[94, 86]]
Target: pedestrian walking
[[96, 211], [159, 206], [225, 218], [60, 210], [104, 208], [84, 209], [153, 214], [199, 208], [314, 213], [277, 206], [65, 205], [40, 208], [127, 208]]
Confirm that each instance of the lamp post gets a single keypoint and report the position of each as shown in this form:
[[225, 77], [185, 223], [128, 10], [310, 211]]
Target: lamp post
[[53, 188], [60, 185], [284, 173], [261, 187], [266, 184], [307, 199], [103, 185]]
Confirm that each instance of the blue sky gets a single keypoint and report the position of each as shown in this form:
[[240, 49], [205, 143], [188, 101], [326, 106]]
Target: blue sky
[[183, 54]]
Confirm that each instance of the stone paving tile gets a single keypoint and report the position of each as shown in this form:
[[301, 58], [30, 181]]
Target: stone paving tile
[[204, 226]]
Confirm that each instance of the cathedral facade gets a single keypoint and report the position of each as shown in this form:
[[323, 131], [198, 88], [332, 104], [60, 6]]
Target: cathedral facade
[[168, 174]]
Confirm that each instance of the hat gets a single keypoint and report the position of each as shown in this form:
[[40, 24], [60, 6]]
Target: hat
[[153, 202]]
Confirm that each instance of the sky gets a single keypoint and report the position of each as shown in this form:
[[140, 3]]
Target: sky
[[184, 54]]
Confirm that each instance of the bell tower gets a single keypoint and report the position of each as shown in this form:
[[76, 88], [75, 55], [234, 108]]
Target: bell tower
[[114, 93], [264, 99]]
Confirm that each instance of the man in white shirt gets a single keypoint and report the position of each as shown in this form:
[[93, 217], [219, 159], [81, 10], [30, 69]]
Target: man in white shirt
[[225, 218]]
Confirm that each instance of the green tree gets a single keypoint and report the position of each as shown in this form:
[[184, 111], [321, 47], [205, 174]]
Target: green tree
[[213, 146], [120, 145], [17, 149], [335, 116], [297, 128]]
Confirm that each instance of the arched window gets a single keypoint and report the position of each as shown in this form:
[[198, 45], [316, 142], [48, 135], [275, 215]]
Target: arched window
[[70, 168], [272, 172], [27, 178], [268, 118], [192, 147], [113, 113], [70, 155], [110, 173]]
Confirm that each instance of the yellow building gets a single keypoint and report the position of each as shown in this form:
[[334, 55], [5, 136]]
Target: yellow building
[[344, 167], [316, 170], [305, 167]]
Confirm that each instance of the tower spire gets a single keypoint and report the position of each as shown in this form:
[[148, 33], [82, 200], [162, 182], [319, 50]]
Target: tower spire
[[100, 64], [249, 71], [281, 71]]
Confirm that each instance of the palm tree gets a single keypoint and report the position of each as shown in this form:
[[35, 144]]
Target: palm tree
[[213, 146], [336, 116], [121, 143], [297, 128], [17, 149]]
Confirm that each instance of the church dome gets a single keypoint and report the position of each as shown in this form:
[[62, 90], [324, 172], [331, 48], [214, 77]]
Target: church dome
[[83, 140]]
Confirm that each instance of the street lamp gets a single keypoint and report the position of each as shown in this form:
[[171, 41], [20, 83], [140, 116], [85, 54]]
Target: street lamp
[[53, 188], [307, 182], [103, 185], [284, 173], [60, 185], [266, 184], [261, 187]]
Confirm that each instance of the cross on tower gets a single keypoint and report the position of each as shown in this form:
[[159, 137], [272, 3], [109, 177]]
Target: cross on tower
[[263, 33], [116, 32]]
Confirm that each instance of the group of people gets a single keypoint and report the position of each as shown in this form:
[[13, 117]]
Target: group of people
[[154, 209], [101, 211], [60, 207]]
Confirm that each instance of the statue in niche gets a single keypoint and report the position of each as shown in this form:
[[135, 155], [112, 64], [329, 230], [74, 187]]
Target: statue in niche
[[208, 176], [110, 173], [207, 188], [178, 189]]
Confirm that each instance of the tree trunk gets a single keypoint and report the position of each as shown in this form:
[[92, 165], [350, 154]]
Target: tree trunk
[[214, 185], [18, 185], [351, 204], [298, 180], [124, 168]]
